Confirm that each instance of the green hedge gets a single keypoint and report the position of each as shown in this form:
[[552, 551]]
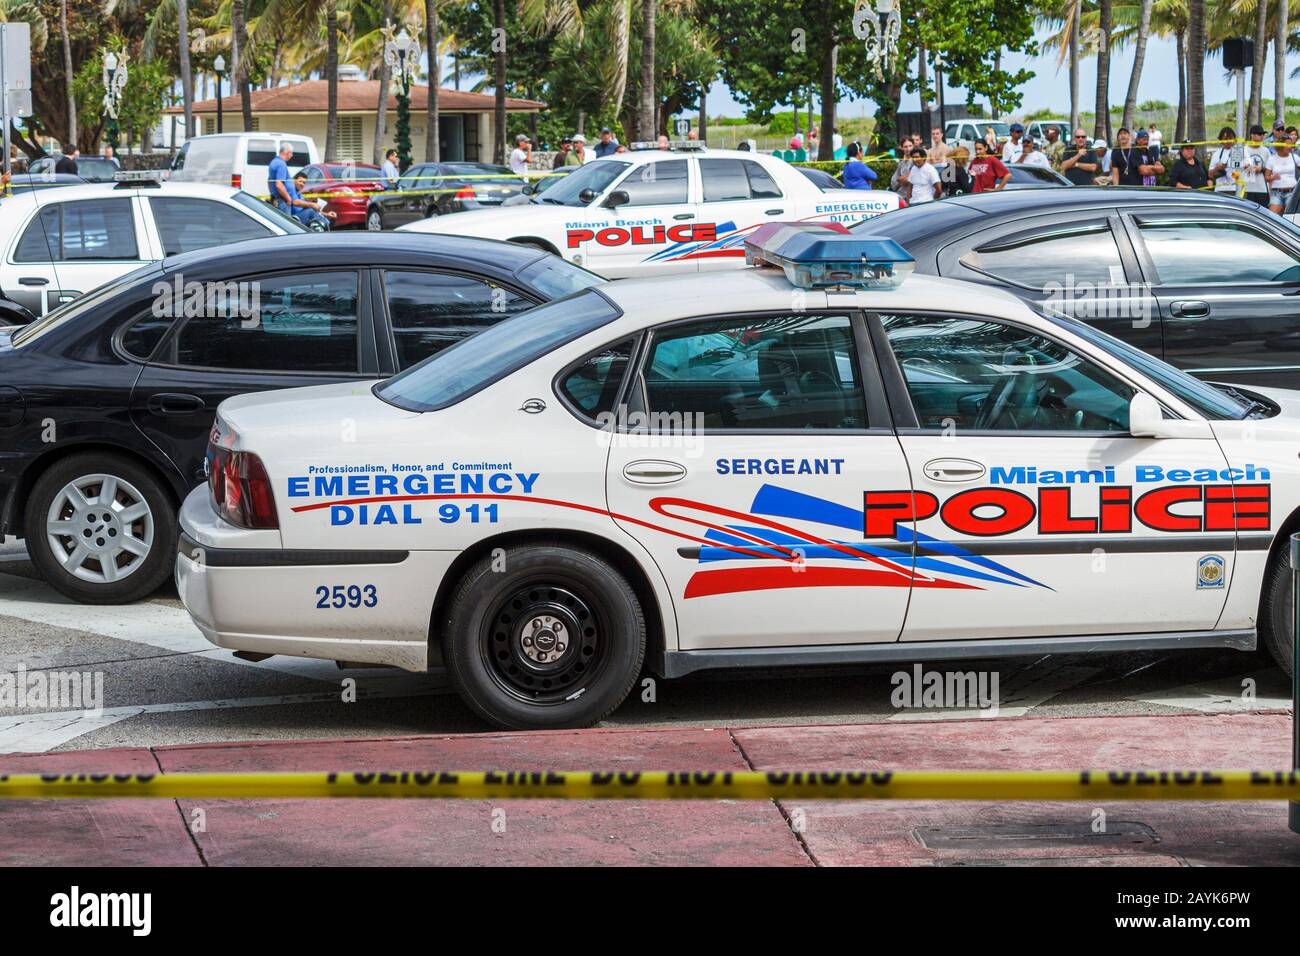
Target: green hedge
[[883, 165]]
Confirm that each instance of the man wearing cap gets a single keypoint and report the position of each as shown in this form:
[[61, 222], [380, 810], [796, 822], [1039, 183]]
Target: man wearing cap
[[1152, 167], [522, 155], [607, 145], [1188, 171], [579, 154], [1054, 149], [1101, 149], [1013, 148], [1277, 136], [562, 157], [1079, 164]]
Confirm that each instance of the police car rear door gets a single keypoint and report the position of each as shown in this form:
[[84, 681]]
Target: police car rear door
[[740, 462], [1029, 491], [736, 194]]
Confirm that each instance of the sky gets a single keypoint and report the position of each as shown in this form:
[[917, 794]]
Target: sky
[[1050, 88]]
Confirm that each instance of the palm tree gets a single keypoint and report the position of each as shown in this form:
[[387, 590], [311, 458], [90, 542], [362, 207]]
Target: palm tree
[[647, 121], [242, 56], [1076, 25], [1101, 127], [1139, 57], [1279, 60], [332, 80], [71, 144], [499, 61], [432, 148], [1196, 70], [1256, 110], [187, 75], [385, 77]]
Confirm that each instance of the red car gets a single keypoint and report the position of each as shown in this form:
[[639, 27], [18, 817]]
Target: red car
[[345, 187]]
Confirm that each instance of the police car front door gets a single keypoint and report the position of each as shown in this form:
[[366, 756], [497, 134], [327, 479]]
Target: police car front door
[[751, 440], [1027, 486], [651, 234]]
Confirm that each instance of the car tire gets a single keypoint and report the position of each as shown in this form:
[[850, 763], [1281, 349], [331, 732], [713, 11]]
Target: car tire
[[76, 563], [431, 212], [374, 221], [511, 612], [1277, 612]]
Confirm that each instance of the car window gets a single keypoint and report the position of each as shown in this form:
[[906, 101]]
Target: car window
[[188, 224], [1036, 174], [656, 184], [262, 151], [430, 311], [789, 372], [1200, 252], [972, 373], [735, 179], [300, 323], [595, 176], [263, 208], [554, 278], [476, 362], [1085, 255], [593, 384], [84, 230]]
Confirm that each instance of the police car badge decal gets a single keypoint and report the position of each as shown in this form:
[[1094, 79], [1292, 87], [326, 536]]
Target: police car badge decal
[[1209, 572]]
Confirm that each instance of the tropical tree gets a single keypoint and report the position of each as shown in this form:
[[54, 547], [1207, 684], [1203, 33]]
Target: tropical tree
[[1196, 43], [1255, 111], [1279, 59], [432, 147], [66, 39], [1101, 125], [647, 120], [1139, 58]]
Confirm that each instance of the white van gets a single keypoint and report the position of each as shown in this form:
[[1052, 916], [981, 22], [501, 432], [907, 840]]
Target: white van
[[239, 159]]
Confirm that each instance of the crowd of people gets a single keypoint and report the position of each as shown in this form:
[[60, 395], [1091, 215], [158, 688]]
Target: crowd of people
[[1264, 169]]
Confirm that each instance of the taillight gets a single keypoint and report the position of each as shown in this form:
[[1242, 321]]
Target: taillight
[[240, 486], [236, 180], [901, 202], [466, 193]]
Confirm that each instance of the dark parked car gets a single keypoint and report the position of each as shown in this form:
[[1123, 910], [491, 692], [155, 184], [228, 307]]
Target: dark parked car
[[346, 189], [1024, 176], [22, 182], [1207, 282], [106, 403], [435, 189]]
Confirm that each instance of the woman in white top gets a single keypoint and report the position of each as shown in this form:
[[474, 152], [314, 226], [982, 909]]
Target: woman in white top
[[1223, 165], [1280, 171]]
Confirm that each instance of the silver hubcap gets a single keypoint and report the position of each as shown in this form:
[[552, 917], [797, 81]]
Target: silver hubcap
[[544, 639], [374, 223], [99, 528]]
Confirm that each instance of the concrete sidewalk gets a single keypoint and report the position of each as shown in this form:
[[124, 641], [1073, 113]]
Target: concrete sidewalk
[[760, 833]]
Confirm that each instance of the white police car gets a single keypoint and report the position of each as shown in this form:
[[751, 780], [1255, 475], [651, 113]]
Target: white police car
[[652, 212], [823, 462]]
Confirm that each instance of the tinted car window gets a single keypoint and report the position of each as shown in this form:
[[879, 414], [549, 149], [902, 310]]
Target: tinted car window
[[472, 364], [1087, 255], [188, 224], [724, 179], [792, 372], [262, 151], [655, 184], [989, 376], [593, 384], [85, 230], [300, 323], [1198, 252], [143, 336], [761, 185], [431, 311]]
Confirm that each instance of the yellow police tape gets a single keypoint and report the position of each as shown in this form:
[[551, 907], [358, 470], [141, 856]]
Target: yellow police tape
[[665, 785]]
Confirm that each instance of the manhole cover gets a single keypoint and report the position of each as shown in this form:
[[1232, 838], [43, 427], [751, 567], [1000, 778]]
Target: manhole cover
[[1009, 836]]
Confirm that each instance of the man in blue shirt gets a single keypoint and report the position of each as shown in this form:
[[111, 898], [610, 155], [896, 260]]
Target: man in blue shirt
[[608, 145], [306, 210], [857, 174], [277, 178]]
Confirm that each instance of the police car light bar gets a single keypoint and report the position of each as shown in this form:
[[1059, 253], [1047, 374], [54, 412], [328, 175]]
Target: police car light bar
[[673, 144], [773, 234], [125, 179], [818, 260]]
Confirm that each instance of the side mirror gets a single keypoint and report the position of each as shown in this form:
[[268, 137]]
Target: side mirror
[[617, 198], [1146, 419], [587, 195], [527, 191]]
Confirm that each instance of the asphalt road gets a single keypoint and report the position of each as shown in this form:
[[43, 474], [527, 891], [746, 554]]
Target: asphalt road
[[164, 684]]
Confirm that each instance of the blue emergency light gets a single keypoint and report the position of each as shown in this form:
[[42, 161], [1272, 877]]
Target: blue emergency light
[[820, 260]]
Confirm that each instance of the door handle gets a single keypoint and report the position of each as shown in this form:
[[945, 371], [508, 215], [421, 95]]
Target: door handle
[[1189, 309], [175, 403], [953, 469], [684, 215], [33, 280], [773, 212], [648, 472]]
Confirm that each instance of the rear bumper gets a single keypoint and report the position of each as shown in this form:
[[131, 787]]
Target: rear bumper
[[245, 592]]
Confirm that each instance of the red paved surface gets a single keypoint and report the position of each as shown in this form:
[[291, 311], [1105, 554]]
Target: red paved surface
[[412, 832]]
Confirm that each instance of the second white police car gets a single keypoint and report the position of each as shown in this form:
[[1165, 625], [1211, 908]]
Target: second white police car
[[823, 462], [651, 211]]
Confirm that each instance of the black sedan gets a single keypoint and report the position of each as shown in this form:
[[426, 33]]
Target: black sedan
[[106, 403], [1209, 283], [436, 189]]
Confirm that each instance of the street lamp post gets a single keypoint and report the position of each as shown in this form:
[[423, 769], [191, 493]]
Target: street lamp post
[[878, 28], [402, 54], [114, 87], [219, 68]]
